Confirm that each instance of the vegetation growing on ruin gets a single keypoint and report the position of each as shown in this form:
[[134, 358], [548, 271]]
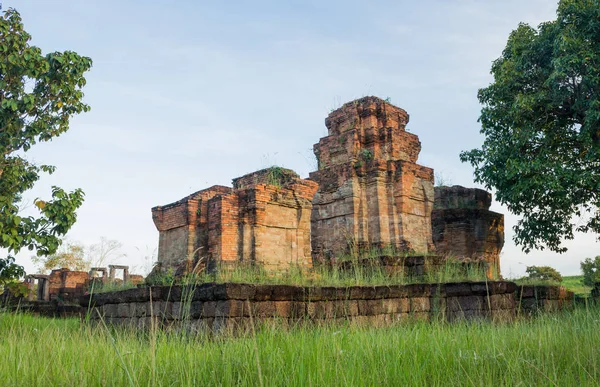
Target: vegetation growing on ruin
[[322, 275], [559, 349], [276, 176]]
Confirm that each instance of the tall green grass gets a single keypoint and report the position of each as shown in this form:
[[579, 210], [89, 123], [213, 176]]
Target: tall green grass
[[560, 349], [575, 284], [325, 275]]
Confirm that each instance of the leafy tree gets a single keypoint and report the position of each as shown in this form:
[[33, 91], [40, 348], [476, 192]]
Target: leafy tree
[[38, 95], [541, 122], [70, 255], [591, 271], [9, 270], [543, 273]]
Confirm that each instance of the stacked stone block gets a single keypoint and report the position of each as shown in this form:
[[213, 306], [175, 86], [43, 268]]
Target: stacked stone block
[[217, 306], [413, 266], [67, 285], [534, 298], [464, 227], [264, 219], [183, 228], [371, 191]]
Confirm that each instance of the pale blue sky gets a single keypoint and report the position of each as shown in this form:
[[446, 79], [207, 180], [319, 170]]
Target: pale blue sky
[[188, 94]]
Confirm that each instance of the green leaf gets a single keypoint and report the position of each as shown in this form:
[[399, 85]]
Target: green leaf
[[27, 120]]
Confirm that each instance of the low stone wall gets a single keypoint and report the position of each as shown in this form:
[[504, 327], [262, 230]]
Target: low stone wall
[[412, 266], [48, 308], [417, 266], [533, 298], [218, 306]]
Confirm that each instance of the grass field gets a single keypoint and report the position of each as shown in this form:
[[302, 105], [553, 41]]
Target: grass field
[[574, 284], [560, 349]]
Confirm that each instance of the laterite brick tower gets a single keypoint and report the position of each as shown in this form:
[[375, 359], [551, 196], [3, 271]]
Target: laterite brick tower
[[372, 193], [264, 219], [463, 225]]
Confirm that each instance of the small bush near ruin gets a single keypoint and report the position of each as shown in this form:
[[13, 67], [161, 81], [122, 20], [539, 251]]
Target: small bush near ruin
[[543, 273], [591, 271]]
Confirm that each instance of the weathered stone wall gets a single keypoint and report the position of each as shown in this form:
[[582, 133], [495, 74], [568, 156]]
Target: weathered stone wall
[[215, 306], [67, 285], [534, 298], [414, 266], [265, 224], [371, 191], [264, 219], [464, 227], [182, 227]]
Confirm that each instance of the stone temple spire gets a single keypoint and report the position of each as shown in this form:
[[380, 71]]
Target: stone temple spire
[[371, 191]]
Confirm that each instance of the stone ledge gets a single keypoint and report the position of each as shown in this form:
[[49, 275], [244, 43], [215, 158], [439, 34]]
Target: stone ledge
[[235, 291]]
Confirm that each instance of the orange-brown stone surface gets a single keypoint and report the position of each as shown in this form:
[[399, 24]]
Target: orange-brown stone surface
[[464, 227], [371, 191], [183, 227], [66, 285], [264, 219]]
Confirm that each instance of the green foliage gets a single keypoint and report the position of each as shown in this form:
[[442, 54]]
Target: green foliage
[[541, 122], [15, 288], [38, 96], [550, 349], [575, 284], [591, 271], [70, 255], [366, 155], [543, 273], [99, 287], [275, 176], [367, 273], [9, 270], [160, 278]]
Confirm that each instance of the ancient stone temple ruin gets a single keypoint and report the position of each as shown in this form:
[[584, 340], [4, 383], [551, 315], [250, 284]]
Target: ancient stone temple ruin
[[264, 219], [368, 192], [68, 285], [371, 190], [464, 227]]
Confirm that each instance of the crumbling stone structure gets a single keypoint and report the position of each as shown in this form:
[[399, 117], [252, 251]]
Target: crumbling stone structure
[[372, 192], [535, 298], [41, 280], [102, 270], [368, 192], [112, 271], [219, 307], [66, 285], [264, 219], [464, 227]]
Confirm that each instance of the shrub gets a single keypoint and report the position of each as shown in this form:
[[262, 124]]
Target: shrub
[[543, 273], [591, 271], [160, 278]]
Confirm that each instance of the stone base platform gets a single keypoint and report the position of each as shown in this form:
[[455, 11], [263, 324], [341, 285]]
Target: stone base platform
[[222, 306]]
